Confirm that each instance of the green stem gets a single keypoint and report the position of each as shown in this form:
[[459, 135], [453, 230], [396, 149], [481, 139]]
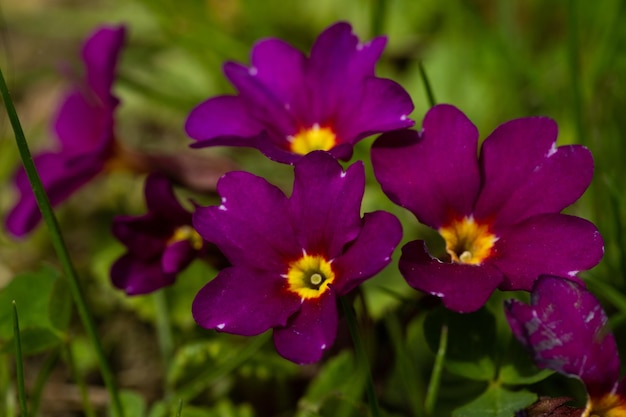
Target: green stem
[[19, 364], [164, 330], [435, 378], [42, 377], [179, 412], [379, 12], [80, 381], [574, 67], [361, 355], [59, 245], [429, 91]]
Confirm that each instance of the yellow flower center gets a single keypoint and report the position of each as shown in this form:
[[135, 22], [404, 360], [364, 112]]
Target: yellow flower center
[[609, 405], [468, 242], [187, 233], [309, 276], [312, 139]]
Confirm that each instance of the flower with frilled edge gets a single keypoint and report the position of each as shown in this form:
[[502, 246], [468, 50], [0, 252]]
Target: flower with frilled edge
[[160, 243], [291, 256], [289, 104], [565, 329], [84, 128], [498, 214]]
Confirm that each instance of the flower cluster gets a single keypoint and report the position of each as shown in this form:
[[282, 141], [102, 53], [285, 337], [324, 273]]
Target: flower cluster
[[288, 258]]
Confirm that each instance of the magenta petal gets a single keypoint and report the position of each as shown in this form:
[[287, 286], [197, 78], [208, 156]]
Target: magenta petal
[[221, 116], [383, 106], [244, 301], [161, 200], [435, 176], [280, 67], [252, 225], [100, 54], [83, 122], [369, 253], [462, 288], [555, 244], [138, 276], [145, 236], [61, 176], [553, 185], [177, 256], [325, 206], [565, 329], [309, 332]]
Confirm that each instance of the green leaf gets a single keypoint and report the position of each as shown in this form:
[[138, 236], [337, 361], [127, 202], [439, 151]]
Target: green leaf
[[133, 404], [44, 310], [471, 341], [496, 402], [518, 367]]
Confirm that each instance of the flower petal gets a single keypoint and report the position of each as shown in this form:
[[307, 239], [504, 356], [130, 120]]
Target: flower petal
[[136, 276], [251, 226], [222, 116], [325, 206], [83, 122], [309, 332], [369, 253], [161, 200], [565, 328], [61, 176], [554, 243], [100, 54], [553, 185], [434, 175], [144, 236], [382, 106], [177, 256], [509, 156], [462, 288], [244, 301]]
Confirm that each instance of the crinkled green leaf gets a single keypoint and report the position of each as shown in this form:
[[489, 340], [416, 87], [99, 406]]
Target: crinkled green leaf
[[133, 404], [45, 309], [496, 402], [518, 367], [471, 341]]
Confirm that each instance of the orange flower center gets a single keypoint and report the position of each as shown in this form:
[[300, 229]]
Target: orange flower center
[[309, 276], [187, 233], [609, 405], [313, 139], [468, 242]]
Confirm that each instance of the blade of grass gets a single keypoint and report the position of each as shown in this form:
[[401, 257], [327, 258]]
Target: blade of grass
[[19, 364], [59, 245], [379, 12], [361, 355], [435, 378], [429, 91], [164, 332], [42, 378], [179, 412]]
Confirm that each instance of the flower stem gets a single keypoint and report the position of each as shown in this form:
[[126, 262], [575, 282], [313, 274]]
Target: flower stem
[[59, 245], [429, 91], [435, 377], [574, 67], [42, 378], [164, 330], [19, 364], [362, 360], [379, 12]]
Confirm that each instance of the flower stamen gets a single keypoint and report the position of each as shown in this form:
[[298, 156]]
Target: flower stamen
[[313, 139], [188, 233], [310, 276], [468, 242]]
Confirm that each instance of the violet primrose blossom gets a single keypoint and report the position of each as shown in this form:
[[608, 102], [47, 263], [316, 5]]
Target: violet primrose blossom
[[565, 329], [289, 104], [291, 256], [161, 243], [499, 215], [84, 128]]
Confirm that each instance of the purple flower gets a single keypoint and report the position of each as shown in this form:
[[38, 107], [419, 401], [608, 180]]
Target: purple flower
[[160, 243], [291, 256], [84, 128], [565, 329], [290, 104], [498, 214]]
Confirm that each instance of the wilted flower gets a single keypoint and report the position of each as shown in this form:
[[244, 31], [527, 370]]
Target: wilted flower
[[291, 257], [565, 329], [290, 104], [498, 214], [84, 128], [160, 243]]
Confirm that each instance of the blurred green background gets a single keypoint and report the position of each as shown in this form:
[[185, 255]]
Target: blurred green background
[[495, 60]]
